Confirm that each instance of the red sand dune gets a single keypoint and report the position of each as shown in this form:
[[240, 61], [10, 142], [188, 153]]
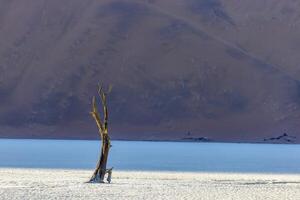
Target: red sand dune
[[224, 69]]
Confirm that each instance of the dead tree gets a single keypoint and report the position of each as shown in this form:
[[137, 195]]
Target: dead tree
[[101, 170]]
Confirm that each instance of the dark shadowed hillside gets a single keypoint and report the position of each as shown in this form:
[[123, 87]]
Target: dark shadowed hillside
[[227, 70]]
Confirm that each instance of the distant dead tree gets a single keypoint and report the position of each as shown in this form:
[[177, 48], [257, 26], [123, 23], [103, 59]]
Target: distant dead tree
[[101, 170]]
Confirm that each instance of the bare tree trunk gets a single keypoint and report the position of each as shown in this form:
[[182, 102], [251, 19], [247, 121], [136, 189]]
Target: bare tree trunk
[[101, 170]]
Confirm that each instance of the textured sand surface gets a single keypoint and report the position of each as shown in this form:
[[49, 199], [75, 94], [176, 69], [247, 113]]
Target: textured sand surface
[[69, 184]]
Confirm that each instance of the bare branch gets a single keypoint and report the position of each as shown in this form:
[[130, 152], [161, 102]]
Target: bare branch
[[110, 87], [102, 95], [96, 116]]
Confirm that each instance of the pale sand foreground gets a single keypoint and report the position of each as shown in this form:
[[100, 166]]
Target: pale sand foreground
[[69, 184]]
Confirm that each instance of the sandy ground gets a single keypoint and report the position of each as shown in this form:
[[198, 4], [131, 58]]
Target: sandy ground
[[70, 184]]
